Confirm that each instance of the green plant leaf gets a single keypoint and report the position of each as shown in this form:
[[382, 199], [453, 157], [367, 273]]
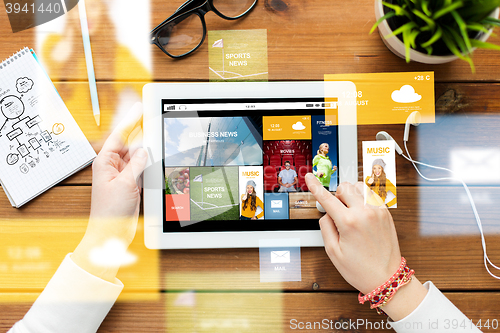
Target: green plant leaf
[[451, 44], [477, 27], [428, 49], [434, 38], [459, 40], [447, 9], [406, 41], [463, 30], [448, 40], [406, 27], [425, 8], [490, 21], [400, 11], [412, 37], [385, 17], [477, 12], [430, 22], [484, 45]]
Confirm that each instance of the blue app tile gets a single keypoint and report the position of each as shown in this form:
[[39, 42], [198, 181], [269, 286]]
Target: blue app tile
[[276, 206]]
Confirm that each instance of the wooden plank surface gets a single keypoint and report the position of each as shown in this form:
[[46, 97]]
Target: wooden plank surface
[[308, 39], [435, 225], [305, 41], [258, 312]]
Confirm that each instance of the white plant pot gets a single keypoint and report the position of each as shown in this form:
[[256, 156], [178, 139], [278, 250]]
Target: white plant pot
[[398, 48]]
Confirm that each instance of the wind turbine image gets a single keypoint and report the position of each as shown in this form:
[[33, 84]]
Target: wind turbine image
[[220, 43]]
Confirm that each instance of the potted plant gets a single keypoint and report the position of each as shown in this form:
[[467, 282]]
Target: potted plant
[[436, 31]]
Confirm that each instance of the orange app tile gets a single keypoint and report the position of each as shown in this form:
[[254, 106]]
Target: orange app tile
[[177, 207], [29, 259], [331, 111], [387, 98], [287, 128]]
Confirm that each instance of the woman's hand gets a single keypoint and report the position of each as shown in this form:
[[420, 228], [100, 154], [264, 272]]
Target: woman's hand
[[254, 218], [361, 242], [244, 196], [116, 189], [370, 180], [363, 245]]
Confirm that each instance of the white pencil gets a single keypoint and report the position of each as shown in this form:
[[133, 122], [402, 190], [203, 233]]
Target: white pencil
[[89, 61]]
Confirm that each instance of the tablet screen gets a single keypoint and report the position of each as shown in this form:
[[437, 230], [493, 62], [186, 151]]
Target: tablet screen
[[240, 164]]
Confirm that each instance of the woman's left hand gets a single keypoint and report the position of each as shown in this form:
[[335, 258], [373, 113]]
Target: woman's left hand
[[116, 189]]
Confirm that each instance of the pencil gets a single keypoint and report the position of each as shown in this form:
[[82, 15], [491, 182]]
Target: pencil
[[89, 61]]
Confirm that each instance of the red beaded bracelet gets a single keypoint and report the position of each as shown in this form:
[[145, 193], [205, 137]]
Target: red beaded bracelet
[[384, 293]]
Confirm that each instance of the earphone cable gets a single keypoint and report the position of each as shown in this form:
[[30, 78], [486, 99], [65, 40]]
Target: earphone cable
[[473, 205]]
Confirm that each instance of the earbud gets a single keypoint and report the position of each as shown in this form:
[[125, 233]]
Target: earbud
[[383, 135], [413, 119]]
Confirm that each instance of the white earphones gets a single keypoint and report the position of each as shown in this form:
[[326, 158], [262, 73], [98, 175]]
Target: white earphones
[[383, 135], [414, 119]]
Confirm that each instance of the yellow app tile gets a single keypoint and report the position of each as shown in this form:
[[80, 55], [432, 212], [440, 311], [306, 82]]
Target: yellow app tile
[[215, 312], [331, 111], [387, 98], [287, 128], [29, 257]]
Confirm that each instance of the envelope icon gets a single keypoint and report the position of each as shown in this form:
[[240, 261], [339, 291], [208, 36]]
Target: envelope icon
[[280, 257], [276, 203], [477, 166]]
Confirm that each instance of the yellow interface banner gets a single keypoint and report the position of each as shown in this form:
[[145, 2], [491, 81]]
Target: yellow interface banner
[[387, 98], [286, 128]]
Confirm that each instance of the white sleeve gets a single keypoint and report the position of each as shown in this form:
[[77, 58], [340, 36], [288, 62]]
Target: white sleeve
[[435, 314], [73, 301]]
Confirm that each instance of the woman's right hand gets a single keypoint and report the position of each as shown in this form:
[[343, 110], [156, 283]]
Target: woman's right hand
[[244, 197], [363, 245], [370, 180], [361, 242]]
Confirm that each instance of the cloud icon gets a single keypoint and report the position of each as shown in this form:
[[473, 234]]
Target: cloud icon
[[298, 126], [406, 94], [24, 85], [112, 253]]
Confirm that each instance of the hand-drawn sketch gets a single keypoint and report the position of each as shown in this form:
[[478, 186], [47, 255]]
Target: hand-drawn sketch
[[23, 131], [24, 168], [12, 158]]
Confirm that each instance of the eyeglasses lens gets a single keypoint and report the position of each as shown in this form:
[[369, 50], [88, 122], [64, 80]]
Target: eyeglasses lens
[[233, 8], [181, 35]]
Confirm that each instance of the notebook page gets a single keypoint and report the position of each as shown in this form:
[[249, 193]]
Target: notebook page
[[40, 142]]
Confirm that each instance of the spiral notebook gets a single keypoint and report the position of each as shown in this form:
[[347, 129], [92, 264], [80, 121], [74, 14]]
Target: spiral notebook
[[40, 142]]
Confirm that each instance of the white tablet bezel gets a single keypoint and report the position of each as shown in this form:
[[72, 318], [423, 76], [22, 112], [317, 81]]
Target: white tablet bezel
[[153, 93]]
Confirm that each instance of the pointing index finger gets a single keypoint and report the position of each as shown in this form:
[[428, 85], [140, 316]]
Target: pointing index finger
[[333, 206]]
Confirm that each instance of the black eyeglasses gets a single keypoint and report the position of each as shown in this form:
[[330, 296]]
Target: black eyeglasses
[[184, 31]]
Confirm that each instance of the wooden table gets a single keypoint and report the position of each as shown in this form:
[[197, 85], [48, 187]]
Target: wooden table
[[219, 290]]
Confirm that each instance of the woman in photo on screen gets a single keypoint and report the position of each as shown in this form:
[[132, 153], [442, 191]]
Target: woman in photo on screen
[[249, 203], [379, 185], [324, 166]]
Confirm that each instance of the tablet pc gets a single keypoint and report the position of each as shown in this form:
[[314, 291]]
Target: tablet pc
[[228, 160]]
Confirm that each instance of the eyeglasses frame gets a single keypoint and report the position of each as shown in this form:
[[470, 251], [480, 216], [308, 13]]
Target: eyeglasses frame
[[184, 12]]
